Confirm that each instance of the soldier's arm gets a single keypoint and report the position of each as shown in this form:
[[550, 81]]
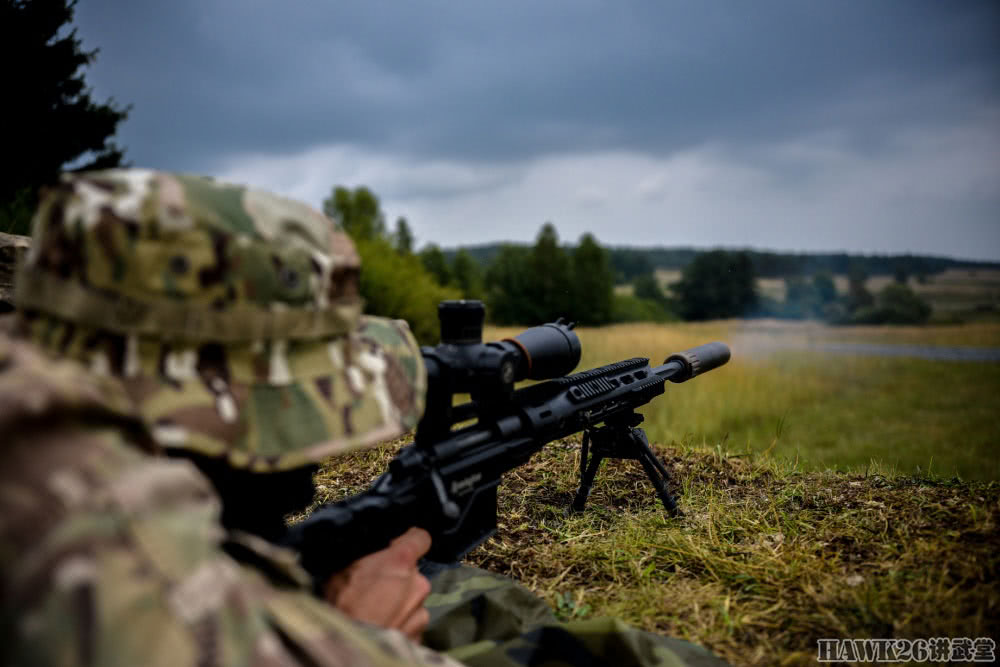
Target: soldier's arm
[[114, 557]]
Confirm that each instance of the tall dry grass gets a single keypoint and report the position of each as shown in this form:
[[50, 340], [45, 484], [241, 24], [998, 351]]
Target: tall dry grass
[[826, 410]]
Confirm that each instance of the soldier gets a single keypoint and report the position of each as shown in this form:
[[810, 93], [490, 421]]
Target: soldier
[[186, 353]]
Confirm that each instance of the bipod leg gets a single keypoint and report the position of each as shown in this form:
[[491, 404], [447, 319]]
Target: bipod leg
[[588, 471], [657, 474]]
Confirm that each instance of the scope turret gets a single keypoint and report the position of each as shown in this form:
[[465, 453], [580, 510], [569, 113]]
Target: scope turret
[[461, 322]]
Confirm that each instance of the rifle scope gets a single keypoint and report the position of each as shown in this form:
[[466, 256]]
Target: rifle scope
[[463, 363], [539, 353]]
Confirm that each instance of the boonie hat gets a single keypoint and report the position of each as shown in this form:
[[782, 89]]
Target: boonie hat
[[230, 315]]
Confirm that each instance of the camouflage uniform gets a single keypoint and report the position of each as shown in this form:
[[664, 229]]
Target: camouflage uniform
[[486, 620], [111, 556], [172, 313]]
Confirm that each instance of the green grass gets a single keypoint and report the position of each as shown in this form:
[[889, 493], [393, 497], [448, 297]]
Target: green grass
[[767, 558], [818, 495]]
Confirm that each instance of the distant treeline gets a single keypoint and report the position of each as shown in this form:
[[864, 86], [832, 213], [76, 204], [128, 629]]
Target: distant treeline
[[525, 284], [630, 263], [521, 285]]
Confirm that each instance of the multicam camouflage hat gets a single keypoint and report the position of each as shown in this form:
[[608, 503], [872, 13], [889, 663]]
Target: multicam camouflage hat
[[230, 315]]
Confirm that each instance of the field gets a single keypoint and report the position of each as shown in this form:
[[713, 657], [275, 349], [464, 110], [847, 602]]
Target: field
[[825, 496], [826, 410]]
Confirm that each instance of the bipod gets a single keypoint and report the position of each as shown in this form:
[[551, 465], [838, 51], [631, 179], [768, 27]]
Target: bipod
[[621, 439]]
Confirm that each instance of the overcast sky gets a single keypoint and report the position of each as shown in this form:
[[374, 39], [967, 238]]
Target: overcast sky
[[816, 126]]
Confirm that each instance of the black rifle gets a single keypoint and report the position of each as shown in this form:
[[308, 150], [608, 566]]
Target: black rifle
[[446, 481]]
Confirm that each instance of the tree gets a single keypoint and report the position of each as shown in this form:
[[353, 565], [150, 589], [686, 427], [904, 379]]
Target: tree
[[715, 285], [392, 283], [395, 285], [436, 263], [550, 291], [630, 308], [508, 281], [825, 288], [896, 304], [901, 305], [858, 296], [648, 302], [52, 120], [797, 289], [646, 287], [403, 238], [627, 263], [593, 283], [466, 275], [800, 298], [357, 212]]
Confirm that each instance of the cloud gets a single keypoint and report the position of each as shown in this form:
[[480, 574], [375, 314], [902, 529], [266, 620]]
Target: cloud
[[310, 175], [849, 125], [474, 81], [931, 190]]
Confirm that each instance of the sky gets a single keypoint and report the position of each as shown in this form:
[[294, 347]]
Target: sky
[[854, 125]]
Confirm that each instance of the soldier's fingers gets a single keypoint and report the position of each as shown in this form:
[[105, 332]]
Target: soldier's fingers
[[416, 591], [416, 624], [412, 544]]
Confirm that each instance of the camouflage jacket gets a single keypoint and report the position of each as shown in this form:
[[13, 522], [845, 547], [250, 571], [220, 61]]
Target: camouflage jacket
[[111, 553]]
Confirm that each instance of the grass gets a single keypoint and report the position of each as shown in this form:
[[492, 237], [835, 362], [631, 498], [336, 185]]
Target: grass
[[756, 334], [824, 410], [767, 559], [818, 494]]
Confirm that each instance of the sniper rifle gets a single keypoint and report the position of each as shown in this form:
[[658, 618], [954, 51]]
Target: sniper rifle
[[446, 480]]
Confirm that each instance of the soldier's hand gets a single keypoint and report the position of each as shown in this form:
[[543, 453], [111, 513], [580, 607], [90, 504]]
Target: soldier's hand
[[385, 588]]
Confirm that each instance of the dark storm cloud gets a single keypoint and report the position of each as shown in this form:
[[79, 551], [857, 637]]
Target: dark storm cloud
[[501, 81], [857, 124]]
